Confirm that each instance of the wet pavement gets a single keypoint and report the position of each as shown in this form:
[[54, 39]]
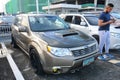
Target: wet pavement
[[100, 70]]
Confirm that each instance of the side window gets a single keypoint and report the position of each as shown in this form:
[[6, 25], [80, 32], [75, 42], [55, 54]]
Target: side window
[[68, 19], [77, 20], [17, 20], [83, 23], [24, 21]]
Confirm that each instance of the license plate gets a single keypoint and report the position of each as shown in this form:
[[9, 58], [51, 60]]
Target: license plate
[[88, 61]]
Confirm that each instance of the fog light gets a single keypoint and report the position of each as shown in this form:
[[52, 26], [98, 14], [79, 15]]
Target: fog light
[[56, 70]]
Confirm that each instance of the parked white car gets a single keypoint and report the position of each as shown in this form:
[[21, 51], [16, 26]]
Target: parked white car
[[89, 23], [117, 18]]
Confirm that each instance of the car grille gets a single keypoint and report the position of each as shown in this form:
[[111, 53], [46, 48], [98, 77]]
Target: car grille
[[83, 51]]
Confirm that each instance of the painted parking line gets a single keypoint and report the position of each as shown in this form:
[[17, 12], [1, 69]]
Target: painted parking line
[[13, 66], [115, 61]]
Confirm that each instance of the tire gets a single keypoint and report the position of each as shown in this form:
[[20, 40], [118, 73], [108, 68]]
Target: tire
[[96, 37], [35, 62], [13, 43]]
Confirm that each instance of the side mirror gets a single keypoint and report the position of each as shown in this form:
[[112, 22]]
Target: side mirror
[[22, 29], [83, 24]]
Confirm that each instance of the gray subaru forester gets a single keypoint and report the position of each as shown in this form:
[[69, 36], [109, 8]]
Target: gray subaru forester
[[53, 47]]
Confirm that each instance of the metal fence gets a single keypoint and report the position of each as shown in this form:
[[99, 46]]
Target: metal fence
[[5, 33]]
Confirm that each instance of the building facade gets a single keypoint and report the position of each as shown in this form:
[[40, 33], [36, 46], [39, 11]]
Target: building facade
[[85, 3], [12, 6], [116, 5], [15, 6]]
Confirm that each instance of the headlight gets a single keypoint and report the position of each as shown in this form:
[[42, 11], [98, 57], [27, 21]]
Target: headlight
[[59, 51], [117, 35]]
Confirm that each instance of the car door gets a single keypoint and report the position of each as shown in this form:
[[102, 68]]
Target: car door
[[15, 29], [24, 37], [79, 23]]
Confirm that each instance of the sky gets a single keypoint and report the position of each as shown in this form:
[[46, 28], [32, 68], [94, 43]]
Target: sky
[[2, 5]]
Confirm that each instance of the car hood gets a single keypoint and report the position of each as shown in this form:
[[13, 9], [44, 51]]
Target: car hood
[[117, 22], [65, 38], [115, 28]]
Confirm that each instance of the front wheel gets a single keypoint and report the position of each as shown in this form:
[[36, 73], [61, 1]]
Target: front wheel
[[35, 61]]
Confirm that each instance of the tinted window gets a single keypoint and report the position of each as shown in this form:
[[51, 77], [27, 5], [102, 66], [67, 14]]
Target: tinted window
[[77, 20], [46, 23], [18, 20], [69, 19], [92, 20]]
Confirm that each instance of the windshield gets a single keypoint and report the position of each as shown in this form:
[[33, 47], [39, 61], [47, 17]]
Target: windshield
[[116, 15], [7, 19], [46, 23], [92, 20]]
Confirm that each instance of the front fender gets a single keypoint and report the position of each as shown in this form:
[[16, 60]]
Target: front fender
[[40, 50]]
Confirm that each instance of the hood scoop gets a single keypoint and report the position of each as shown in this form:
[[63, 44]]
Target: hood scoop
[[70, 34], [118, 27]]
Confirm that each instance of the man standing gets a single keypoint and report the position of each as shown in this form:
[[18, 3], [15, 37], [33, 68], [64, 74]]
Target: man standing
[[104, 34]]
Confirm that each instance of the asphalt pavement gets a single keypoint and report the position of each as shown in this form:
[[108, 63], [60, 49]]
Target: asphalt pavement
[[5, 70], [100, 70]]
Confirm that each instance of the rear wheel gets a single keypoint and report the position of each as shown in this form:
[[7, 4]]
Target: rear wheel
[[35, 61]]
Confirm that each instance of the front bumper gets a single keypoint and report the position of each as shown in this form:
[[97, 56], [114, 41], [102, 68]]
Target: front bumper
[[78, 63], [63, 65]]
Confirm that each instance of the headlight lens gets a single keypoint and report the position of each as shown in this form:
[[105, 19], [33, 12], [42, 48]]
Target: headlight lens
[[117, 35], [59, 51]]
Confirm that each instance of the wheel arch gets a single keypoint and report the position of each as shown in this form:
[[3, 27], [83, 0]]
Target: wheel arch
[[96, 37], [39, 50]]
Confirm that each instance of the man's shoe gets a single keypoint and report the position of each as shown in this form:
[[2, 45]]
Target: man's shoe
[[109, 55], [105, 56], [101, 58]]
